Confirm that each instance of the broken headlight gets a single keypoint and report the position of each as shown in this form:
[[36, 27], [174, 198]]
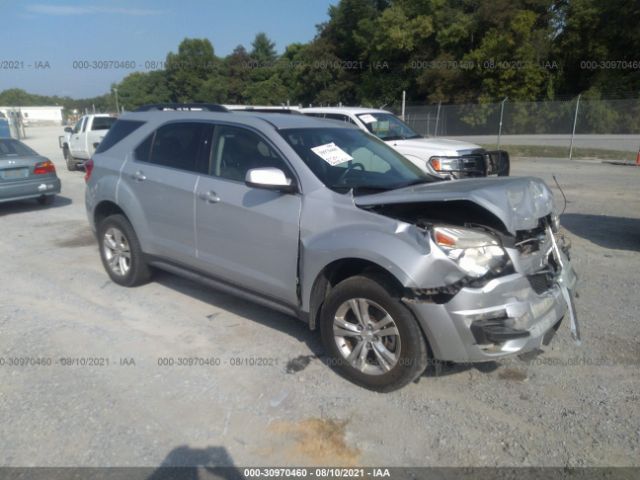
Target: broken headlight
[[476, 253]]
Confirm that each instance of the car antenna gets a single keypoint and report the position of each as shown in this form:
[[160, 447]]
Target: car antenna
[[563, 195]]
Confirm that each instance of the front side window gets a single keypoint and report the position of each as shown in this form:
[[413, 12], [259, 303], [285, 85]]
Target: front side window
[[387, 127], [344, 159], [84, 124], [337, 116], [184, 145], [239, 150], [76, 127]]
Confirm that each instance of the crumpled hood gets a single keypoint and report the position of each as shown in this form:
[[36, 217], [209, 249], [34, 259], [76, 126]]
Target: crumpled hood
[[517, 201], [433, 146]]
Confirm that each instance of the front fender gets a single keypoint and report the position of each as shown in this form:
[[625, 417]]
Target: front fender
[[406, 252]]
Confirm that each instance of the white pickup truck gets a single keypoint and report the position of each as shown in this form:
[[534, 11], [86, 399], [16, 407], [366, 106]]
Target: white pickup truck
[[444, 158], [79, 143]]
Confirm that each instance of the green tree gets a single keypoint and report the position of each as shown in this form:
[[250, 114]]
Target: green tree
[[188, 70], [140, 88], [236, 68], [263, 50]]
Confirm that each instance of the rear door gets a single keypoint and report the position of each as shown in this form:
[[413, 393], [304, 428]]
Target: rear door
[[162, 176], [247, 236]]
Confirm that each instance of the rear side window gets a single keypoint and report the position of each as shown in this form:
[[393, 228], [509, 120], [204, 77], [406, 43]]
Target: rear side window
[[120, 130], [184, 145], [102, 123]]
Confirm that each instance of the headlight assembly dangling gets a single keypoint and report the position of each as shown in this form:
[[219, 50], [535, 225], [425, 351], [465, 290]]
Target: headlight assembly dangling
[[476, 253]]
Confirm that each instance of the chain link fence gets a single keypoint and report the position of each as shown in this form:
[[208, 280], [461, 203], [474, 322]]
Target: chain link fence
[[576, 128]]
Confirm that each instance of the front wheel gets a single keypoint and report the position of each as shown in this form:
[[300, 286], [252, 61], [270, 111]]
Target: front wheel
[[120, 252], [371, 338]]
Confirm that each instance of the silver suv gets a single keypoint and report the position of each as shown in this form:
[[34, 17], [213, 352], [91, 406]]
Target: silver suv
[[327, 223]]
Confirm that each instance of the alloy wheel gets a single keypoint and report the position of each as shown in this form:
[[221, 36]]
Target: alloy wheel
[[116, 251], [366, 336]]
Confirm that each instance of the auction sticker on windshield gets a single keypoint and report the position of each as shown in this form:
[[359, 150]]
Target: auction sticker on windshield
[[368, 118], [332, 154]]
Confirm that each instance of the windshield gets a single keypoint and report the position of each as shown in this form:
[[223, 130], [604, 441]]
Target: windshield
[[345, 159], [102, 123], [14, 148], [387, 127]]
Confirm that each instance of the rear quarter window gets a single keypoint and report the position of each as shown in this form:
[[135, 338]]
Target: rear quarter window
[[119, 131]]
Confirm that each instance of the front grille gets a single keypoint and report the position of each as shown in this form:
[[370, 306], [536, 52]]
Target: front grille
[[474, 165]]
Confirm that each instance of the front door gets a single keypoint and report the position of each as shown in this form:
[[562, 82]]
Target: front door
[[247, 236]]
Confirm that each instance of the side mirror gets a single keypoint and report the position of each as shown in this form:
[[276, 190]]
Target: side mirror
[[68, 129], [269, 178]]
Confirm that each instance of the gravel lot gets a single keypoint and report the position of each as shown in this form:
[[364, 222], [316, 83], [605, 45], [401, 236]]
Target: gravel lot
[[574, 406]]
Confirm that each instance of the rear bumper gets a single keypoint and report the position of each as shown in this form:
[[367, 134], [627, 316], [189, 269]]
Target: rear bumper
[[505, 317], [32, 188]]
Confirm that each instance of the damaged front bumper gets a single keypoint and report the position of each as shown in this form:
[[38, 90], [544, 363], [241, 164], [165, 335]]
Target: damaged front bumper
[[508, 315]]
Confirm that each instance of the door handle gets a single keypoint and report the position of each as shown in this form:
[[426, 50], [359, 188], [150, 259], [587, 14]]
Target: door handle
[[209, 197], [139, 176]]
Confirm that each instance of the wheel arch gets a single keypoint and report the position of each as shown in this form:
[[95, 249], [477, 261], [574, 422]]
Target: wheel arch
[[105, 209], [341, 269]]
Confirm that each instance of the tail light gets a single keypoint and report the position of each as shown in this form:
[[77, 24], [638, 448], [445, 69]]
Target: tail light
[[44, 168], [88, 168]]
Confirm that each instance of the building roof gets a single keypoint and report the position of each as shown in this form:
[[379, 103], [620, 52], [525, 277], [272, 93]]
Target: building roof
[[30, 107]]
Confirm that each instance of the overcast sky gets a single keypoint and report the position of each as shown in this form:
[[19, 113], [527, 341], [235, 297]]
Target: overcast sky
[[43, 39]]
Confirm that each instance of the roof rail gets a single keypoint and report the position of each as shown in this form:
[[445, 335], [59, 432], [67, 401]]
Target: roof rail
[[209, 107]]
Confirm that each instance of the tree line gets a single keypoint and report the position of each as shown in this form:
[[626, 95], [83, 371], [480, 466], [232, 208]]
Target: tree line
[[369, 51]]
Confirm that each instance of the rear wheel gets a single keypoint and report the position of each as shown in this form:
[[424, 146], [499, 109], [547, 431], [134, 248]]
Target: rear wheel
[[120, 252], [72, 164], [370, 336]]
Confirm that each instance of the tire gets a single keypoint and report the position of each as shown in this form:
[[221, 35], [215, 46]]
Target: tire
[[404, 350], [120, 252], [65, 152], [72, 165], [46, 199]]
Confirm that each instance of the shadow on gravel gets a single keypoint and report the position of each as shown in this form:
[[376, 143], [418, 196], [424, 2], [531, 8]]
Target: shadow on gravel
[[618, 233], [442, 369], [184, 463], [257, 313], [24, 206]]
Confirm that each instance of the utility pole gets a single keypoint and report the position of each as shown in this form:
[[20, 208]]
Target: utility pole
[[115, 90], [435, 130], [501, 115], [404, 101], [573, 132]]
